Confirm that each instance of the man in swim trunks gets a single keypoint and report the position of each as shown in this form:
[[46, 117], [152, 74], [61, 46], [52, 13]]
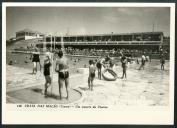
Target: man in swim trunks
[[47, 64], [124, 66], [62, 67], [35, 60], [91, 77], [99, 66]]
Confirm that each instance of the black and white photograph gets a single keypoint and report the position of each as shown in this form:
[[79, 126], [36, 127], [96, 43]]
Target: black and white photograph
[[89, 57]]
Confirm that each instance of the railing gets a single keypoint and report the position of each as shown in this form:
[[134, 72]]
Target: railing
[[112, 43]]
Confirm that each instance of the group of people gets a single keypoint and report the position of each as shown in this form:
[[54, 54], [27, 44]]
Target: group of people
[[108, 63], [113, 52], [62, 68]]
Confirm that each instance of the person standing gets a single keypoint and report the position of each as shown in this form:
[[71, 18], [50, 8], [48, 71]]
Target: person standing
[[35, 60], [91, 77], [99, 67], [62, 67], [162, 61], [143, 59], [47, 64], [124, 66]]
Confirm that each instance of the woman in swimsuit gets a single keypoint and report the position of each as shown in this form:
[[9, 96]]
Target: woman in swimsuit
[[47, 65], [62, 67], [35, 60]]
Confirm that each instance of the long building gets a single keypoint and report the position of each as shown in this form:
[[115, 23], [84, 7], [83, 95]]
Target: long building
[[143, 40]]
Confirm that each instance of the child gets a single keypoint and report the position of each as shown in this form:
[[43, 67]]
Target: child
[[143, 59], [91, 77], [47, 65], [162, 61], [124, 66]]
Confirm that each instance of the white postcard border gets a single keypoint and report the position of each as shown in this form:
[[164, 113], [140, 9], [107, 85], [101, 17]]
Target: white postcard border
[[124, 115]]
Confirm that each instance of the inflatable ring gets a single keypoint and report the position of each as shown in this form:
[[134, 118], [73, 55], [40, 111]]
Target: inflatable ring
[[111, 72]]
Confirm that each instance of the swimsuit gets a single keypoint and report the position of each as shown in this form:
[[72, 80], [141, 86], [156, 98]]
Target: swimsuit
[[63, 74], [36, 58], [47, 69], [63, 70], [92, 75], [98, 65], [143, 62], [163, 61]]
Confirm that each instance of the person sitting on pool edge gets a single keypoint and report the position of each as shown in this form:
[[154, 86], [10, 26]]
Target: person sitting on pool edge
[[62, 67], [47, 64], [91, 77]]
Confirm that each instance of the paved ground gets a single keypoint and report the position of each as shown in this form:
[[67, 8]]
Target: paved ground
[[149, 87]]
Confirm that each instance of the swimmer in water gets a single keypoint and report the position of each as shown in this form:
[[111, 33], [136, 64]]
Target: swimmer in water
[[62, 67], [91, 77], [47, 64]]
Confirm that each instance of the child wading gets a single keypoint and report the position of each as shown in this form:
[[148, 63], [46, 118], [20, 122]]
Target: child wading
[[99, 66], [47, 65], [124, 66], [162, 61], [91, 77], [143, 59]]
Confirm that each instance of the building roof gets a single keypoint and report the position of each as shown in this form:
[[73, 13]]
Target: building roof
[[29, 30], [112, 34]]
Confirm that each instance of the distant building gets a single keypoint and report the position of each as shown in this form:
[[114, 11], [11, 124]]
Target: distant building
[[140, 40], [27, 34]]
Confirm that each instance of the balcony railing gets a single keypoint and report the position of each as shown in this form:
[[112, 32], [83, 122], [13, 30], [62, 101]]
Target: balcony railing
[[112, 43]]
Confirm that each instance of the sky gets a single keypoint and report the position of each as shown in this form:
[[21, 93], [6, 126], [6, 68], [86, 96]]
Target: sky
[[87, 20]]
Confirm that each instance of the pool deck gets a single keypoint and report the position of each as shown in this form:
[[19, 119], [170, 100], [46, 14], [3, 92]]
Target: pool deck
[[139, 88]]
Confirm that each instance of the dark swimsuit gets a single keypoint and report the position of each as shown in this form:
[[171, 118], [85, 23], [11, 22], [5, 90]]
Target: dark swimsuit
[[98, 65], [92, 75], [36, 58], [143, 62], [163, 61], [64, 74], [47, 69]]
